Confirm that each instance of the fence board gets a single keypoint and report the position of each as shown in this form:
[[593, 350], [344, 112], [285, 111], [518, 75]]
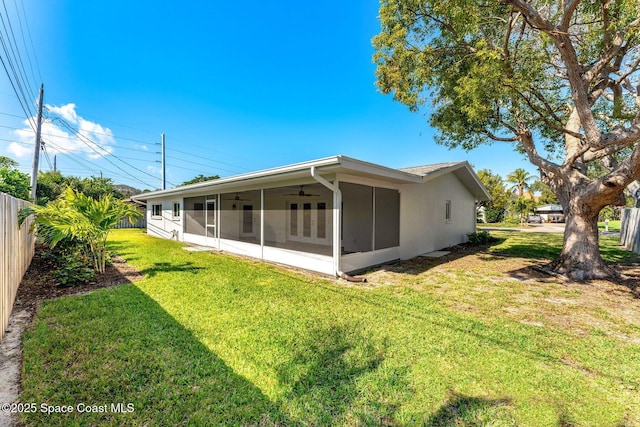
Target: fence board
[[124, 223], [630, 229], [16, 252]]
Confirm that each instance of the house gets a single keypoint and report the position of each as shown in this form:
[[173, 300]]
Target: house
[[330, 215], [551, 213]]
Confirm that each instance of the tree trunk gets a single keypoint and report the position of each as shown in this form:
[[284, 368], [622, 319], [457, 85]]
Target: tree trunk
[[580, 257]]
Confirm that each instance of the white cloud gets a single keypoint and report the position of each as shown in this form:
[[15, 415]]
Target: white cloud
[[20, 150], [66, 132]]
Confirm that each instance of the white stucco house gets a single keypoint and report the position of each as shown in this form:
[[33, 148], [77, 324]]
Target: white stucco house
[[551, 213], [330, 215]]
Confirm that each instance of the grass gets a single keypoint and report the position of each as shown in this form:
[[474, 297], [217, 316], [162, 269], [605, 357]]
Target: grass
[[613, 225], [209, 339]]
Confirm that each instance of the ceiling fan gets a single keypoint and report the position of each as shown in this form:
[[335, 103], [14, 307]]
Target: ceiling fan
[[238, 199], [302, 193]]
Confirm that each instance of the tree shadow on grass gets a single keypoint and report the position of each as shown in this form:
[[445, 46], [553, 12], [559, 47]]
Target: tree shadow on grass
[[463, 410], [323, 375], [169, 267], [120, 346]]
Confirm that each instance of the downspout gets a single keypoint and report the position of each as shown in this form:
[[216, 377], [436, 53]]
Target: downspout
[[337, 226]]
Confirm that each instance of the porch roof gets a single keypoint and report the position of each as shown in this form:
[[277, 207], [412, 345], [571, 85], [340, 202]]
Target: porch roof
[[329, 166]]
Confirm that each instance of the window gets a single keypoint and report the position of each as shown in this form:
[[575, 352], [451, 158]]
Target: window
[[447, 211], [156, 211], [176, 210], [322, 221]]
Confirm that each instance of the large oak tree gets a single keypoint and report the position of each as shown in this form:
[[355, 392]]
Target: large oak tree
[[557, 79]]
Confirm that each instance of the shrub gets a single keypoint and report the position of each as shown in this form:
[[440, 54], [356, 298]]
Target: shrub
[[71, 263], [481, 238]]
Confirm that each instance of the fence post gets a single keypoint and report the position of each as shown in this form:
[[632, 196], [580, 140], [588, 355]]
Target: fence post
[[16, 252]]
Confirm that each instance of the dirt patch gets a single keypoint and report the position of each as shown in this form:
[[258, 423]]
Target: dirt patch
[[38, 285], [477, 280]]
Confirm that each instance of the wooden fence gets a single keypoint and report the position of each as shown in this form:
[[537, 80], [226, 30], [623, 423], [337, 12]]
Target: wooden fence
[[630, 229], [16, 251], [124, 223]]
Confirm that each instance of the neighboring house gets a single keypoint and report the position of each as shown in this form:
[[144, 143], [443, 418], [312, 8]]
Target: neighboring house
[[331, 215], [550, 213]]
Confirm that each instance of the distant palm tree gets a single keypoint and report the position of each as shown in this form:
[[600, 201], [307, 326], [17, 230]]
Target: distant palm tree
[[520, 179]]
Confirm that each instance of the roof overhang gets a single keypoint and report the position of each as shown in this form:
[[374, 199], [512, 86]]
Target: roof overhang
[[327, 166], [464, 172]]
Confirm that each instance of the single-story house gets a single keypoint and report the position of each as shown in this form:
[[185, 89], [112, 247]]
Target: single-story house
[[330, 215], [550, 213]]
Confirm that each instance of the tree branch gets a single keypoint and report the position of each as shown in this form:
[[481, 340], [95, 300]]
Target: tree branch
[[569, 8], [526, 139], [499, 138]]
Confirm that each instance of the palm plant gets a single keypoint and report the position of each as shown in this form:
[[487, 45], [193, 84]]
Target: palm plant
[[520, 179], [74, 215]]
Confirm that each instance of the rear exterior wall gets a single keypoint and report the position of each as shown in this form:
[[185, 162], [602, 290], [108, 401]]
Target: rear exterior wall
[[424, 226]]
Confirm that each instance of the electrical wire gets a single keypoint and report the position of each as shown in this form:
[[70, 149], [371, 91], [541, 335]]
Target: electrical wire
[[17, 51], [26, 21], [19, 79], [24, 41], [72, 156], [92, 144]]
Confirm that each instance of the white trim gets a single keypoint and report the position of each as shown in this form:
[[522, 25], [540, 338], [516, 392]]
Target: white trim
[[360, 260], [153, 215], [241, 248], [262, 222], [306, 260], [173, 210], [329, 164]]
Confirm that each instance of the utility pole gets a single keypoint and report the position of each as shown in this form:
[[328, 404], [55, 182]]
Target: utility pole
[[36, 151], [164, 181], [55, 156]]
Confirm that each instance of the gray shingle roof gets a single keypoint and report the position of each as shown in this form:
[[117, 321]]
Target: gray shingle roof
[[429, 169]]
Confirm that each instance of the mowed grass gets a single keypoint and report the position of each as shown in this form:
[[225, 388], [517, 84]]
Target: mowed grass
[[211, 339]]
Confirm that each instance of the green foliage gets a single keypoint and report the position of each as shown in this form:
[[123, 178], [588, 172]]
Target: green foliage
[[14, 183], [7, 162], [52, 184], [97, 187], [481, 238], [201, 178], [496, 207], [71, 261], [523, 206], [520, 179], [487, 71], [494, 214], [546, 195], [76, 216]]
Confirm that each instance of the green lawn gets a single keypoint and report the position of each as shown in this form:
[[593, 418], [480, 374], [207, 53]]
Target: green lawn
[[209, 339], [613, 225]]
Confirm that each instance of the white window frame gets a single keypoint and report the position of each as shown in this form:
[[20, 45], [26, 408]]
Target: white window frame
[[179, 210], [153, 209], [447, 211]]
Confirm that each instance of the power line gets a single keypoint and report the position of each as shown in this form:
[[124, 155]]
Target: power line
[[92, 144], [81, 162], [26, 21], [24, 41], [19, 74], [11, 115], [17, 50], [24, 104]]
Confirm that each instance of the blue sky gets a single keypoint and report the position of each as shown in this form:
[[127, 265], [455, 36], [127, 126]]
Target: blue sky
[[235, 87]]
